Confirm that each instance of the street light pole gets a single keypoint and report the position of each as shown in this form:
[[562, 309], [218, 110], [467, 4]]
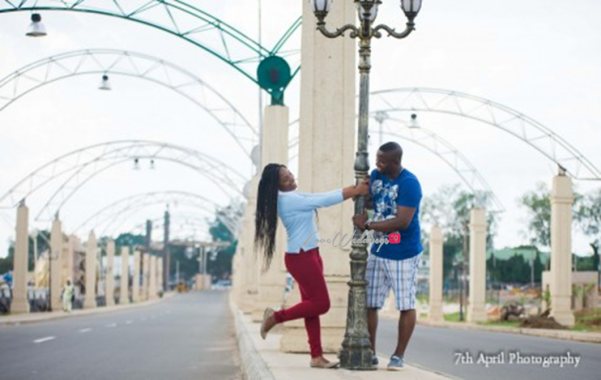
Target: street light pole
[[356, 350]]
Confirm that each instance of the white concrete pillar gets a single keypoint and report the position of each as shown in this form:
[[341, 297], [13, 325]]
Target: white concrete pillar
[[145, 276], [124, 291], [69, 259], [476, 311], [152, 283], [562, 199], [91, 253], [274, 149], [135, 282], [251, 261], [436, 275], [110, 278], [20, 304], [326, 156], [56, 243]]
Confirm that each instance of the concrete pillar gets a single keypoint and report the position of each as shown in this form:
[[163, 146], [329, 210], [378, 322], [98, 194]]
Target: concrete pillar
[[69, 259], [476, 310], [161, 287], [436, 276], [152, 283], [20, 304], [562, 199], [135, 283], [145, 276], [124, 292], [326, 157], [251, 261], [110, 278], [91, 253], [56, 244], [274, 149]]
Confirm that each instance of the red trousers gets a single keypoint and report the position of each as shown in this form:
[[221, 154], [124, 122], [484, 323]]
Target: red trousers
[[307, 270]]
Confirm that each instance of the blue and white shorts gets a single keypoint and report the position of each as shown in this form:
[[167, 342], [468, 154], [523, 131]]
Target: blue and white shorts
[[398, 275]]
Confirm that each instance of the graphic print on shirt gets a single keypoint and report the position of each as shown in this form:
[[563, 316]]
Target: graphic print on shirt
[[384, 202]]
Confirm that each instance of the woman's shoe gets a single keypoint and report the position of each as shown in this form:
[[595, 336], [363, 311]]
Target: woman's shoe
[[266, 315], [325, 365]]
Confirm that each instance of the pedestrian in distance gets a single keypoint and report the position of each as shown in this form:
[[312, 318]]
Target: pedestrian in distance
[[68, 295], [395, 195], [277, 196]]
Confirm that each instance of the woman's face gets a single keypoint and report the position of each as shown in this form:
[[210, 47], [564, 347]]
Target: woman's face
[[287, 181]]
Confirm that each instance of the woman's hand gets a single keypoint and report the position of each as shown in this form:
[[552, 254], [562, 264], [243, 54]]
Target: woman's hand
[[363, 188]]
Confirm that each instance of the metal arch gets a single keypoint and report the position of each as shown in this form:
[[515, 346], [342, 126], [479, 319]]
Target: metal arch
[[446, 152], [128, 63], [82, 164], [175, 17], [158, 225], [126, 207], [486, 111]]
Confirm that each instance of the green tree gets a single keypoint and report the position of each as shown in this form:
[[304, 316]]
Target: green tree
[[588, 217]]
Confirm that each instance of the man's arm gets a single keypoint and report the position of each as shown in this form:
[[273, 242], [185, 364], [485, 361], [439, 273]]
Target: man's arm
[[404, 216]]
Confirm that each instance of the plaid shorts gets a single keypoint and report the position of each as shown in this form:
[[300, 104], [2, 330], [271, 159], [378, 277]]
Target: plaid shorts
[[398, 275]]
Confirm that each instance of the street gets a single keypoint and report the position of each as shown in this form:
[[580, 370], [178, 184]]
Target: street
[[189, 336], [435, 349]]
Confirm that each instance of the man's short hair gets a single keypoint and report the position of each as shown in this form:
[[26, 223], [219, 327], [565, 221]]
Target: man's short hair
[[392, 146]]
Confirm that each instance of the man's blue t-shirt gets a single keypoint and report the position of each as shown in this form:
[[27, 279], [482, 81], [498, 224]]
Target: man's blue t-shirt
[[386, 195]]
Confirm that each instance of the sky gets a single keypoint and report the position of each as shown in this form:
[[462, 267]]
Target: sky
[[540, 58]]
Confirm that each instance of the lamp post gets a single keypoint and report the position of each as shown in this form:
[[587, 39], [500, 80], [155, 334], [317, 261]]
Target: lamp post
[[356, 349]]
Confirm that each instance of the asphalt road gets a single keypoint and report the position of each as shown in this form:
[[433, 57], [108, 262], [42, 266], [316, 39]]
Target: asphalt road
[[189, 336], [438, 348]]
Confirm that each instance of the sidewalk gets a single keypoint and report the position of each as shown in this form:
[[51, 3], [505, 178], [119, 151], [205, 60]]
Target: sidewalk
[[262, 359], [579, 336], [18, 319]]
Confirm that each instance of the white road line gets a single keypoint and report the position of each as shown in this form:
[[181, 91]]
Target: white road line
[[129, 322], [111, 325], [44, 339], [84, 330], [143, 319]]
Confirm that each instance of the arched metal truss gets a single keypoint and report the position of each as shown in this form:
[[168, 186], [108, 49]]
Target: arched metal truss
[[109, 219], [443, 149], [539, 137], [119, 62], [177, 18], [182, 226], [80, 166]]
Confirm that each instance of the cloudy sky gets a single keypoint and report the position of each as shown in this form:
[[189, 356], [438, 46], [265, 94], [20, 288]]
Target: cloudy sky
[[540, 58]]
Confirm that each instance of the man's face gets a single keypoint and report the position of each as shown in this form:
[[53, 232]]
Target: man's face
[[287, 181], [387, 163]]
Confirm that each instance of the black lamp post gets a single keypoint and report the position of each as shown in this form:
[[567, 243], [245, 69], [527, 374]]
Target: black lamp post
[[356, 350]]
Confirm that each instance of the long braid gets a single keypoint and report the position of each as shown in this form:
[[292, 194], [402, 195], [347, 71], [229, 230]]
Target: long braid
[[266, 216]]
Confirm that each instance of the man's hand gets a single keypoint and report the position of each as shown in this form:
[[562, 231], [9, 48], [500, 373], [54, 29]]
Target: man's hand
[[359, 220]]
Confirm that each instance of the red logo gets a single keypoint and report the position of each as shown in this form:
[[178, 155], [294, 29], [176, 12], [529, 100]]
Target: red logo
[[394, 238]]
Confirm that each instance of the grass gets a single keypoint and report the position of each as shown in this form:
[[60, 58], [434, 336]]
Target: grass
[[588, 320], [454, 317]]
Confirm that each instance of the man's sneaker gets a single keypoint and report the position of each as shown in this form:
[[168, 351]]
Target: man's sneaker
[[397, 363], [374, 361]]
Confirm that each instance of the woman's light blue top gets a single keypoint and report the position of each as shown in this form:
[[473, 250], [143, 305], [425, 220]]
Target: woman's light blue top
[[297, 211]]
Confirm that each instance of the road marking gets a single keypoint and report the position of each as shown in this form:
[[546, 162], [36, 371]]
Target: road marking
[[44, 339], [143, 319], [84, 330], [111, 325], [129, 322]]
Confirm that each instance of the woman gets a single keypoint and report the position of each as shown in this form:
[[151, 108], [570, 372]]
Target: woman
[[68, 292], [277, 196]]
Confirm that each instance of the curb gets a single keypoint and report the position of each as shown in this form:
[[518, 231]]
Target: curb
[[543, 333], [253, 366], [44, 317]]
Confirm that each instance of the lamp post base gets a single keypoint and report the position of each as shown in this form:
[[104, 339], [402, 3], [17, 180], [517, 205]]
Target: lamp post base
[[356, 353]]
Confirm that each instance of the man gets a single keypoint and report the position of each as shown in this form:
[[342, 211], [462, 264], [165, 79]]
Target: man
[[395, 195]]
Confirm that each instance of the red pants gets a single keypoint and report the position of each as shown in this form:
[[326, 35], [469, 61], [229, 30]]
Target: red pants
[[307, 270]]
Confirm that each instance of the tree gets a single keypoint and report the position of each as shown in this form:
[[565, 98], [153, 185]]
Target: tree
[[450, 209], [220, 264], [588, 217], [538, 205]]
